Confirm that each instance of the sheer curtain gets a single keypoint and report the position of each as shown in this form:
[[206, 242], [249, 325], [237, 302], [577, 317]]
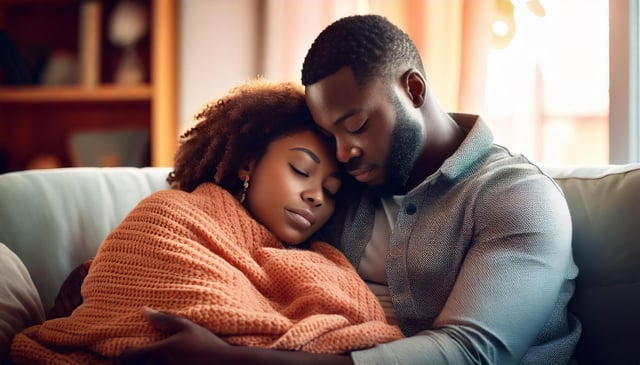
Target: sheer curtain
[[547, 91]]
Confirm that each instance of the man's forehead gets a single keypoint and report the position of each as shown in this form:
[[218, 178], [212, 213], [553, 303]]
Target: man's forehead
[[338, 91]]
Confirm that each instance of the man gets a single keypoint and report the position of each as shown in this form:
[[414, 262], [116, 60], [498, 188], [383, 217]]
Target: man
[[467, 246]]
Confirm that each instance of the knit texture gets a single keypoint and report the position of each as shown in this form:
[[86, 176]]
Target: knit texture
[[201, 256]]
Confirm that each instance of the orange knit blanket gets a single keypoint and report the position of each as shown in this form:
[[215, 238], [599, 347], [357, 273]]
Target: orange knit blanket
[[201, 256]]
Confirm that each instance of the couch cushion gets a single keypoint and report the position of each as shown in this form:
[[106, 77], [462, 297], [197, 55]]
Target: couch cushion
[[55, 219], [20, 305], [605, 209]]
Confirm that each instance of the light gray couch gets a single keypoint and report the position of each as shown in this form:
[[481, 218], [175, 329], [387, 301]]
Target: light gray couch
[[53, 220]]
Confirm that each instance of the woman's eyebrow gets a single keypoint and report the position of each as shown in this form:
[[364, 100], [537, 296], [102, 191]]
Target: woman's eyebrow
[[313, 156]]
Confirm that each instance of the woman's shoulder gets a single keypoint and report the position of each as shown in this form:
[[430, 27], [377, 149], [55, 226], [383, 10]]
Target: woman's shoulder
[[207, 188], [202, 196]]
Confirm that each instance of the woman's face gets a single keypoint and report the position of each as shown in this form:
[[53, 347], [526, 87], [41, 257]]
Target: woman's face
[[292, 187]]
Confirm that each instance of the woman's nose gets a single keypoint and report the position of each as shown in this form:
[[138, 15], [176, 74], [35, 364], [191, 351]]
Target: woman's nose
[[313, 196]]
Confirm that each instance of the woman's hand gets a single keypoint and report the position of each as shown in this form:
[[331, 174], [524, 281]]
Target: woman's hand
[[188, 343]]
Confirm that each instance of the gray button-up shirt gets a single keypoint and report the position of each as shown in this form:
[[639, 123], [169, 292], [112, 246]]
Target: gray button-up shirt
[[479, 266]]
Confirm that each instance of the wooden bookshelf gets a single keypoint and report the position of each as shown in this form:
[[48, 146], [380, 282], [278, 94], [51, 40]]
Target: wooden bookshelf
[[75, 94], [38, 119]]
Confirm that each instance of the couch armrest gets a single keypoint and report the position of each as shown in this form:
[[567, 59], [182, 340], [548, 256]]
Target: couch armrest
[[604, 202]]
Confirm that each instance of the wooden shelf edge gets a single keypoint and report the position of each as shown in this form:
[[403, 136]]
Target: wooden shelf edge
[[44, 94], [36, 2]]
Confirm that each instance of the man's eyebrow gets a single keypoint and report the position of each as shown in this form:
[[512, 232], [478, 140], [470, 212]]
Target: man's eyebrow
[[313, 156]]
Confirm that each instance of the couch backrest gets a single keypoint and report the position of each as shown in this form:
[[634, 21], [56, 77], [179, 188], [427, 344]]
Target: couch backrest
[[605, 210], [56, 219]]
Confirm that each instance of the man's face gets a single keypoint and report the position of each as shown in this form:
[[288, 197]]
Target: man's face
[[375, 136]]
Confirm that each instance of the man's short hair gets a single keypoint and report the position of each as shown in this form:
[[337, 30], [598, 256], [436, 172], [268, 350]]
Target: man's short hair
[[370, 45]]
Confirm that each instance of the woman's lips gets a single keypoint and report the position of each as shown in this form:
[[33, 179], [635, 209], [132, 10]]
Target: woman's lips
[[302, 218]]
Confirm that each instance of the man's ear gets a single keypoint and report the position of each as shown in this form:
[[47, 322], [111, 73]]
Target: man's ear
[[415, 86]]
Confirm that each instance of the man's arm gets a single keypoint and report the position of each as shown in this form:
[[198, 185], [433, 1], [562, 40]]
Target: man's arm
[[508, 286]]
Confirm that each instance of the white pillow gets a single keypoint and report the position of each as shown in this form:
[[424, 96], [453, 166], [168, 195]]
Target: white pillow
[[20, 305]]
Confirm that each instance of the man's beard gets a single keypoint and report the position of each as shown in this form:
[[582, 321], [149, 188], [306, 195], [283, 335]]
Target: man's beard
[[404, 150]]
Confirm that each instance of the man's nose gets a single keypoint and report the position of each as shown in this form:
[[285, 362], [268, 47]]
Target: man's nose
[[343, 152]]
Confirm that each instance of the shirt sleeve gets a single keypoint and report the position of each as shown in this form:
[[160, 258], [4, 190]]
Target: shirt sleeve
[[508, 285]]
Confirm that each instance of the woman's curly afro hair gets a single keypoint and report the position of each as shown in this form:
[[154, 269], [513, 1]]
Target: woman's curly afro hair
[[236, 129]]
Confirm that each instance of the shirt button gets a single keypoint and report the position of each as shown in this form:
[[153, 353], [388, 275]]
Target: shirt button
[[410, 209]]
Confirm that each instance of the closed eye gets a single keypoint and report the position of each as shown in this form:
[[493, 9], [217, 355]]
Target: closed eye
[[298, 171], [361, 128], [331, 187], [329, 193]]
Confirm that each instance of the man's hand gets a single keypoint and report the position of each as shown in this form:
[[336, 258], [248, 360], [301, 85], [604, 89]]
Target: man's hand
[[188, 343]]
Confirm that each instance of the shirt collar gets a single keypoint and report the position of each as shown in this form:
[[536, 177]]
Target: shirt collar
[[473, 150]]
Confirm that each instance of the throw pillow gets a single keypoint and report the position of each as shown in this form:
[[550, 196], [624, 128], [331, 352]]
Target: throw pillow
[[20, 304]]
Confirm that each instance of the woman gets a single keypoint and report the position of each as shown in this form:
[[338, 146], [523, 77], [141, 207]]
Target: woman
[[253, 179]]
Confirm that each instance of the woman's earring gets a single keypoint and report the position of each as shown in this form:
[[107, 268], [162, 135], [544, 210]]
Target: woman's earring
[[245, 187]]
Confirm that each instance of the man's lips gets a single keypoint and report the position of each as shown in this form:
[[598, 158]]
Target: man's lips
[[358, 170], [361, 174]]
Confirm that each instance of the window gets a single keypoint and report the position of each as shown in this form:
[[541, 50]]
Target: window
[[547, 90], [624, 117]]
